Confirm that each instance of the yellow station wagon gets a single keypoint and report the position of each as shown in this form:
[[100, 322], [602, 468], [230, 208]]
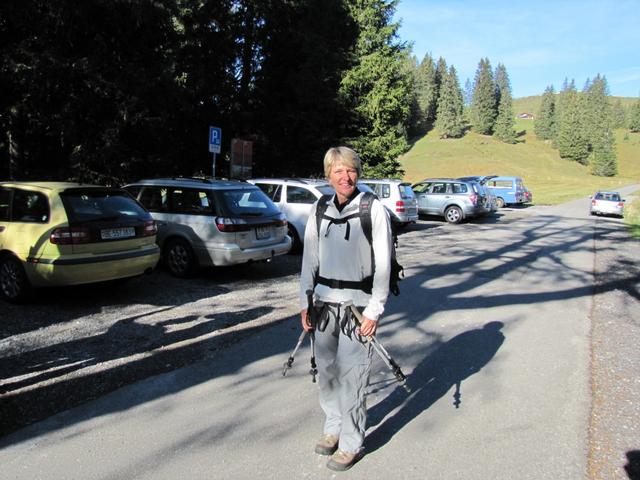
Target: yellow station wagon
[[55, 234]]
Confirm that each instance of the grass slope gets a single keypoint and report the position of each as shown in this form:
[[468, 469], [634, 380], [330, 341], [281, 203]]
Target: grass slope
[[551, 179]]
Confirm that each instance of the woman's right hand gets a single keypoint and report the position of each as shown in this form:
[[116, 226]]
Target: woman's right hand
[[306, 324]]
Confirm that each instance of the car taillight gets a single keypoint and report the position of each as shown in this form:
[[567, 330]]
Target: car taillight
[[400, 206], [474, 198], [69, 236], [230, 225], [281, 222], [621, 204], [593, 202], [149, 228]]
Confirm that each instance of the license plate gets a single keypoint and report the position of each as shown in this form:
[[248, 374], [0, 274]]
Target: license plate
[[263, 232], [112, 233]]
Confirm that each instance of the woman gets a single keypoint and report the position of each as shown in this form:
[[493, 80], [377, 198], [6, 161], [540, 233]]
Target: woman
[[340, 266]]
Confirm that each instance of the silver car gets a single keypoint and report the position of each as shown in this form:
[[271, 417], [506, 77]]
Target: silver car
[[204, 222], [398, 197], [295, 197], [453, 199], [607, 203]]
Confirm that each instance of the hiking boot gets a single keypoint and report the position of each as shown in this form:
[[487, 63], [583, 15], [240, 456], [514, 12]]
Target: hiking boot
[[341, 461], [327, 444]]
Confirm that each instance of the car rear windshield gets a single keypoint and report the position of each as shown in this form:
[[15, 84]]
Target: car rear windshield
[[608, 196], [86, 205], [248, 202], [405, 190]]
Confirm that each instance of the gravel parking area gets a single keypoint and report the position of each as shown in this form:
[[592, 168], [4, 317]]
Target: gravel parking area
[[73, 345]]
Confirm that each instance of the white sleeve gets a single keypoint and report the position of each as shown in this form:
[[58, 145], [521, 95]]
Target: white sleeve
[[310, 257], [381, 243]]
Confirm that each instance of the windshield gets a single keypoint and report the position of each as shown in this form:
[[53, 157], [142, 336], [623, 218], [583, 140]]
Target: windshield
[[248, 202], [87, 205], [326, 190], [406, 191]]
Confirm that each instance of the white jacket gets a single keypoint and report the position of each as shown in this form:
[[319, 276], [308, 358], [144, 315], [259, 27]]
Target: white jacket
[[341, 259]]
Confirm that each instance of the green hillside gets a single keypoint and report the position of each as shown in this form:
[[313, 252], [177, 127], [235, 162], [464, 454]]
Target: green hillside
[[551, 179]]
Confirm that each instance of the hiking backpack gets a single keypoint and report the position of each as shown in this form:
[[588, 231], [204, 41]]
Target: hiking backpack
[[364, 213]]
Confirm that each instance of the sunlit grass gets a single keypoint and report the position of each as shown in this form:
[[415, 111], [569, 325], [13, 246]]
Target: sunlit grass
[[552, 179], [632, 216]]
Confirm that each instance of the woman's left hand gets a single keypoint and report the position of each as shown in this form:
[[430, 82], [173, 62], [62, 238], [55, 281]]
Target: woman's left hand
[[368, 327]]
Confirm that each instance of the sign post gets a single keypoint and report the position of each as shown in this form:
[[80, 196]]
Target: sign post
[[215, 139]]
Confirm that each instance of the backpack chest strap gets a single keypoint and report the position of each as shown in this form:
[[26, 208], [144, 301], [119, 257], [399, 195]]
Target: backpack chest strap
[[340, 221]]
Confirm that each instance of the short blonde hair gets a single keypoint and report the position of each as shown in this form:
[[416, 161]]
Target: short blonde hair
[[343, 155]]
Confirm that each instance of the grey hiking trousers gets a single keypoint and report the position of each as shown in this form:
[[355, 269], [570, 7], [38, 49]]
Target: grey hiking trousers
[[344, 363]]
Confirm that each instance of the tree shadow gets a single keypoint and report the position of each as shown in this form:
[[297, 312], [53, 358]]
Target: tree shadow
[[449, 365], [145, 349], [633, 465]]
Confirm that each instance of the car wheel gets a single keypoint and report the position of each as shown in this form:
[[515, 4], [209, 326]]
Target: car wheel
[[453, 214], [14, 284], [296, 243], [179, 258], [500, 202]]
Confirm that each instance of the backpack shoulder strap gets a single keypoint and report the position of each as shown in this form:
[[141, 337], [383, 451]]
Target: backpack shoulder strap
[[323, 203], [365, 215]]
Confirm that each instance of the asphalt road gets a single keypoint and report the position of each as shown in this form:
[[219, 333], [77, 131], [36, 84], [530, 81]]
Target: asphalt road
[[500, 326]]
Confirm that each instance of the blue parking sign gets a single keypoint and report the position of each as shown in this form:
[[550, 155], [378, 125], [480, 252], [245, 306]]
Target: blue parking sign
[[215, 139]]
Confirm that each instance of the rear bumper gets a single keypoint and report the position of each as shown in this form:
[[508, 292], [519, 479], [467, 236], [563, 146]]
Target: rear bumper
[[81, 269], [405, 217], [231, 254], [605, 210]]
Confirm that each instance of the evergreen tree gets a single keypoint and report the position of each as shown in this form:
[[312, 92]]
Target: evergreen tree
[[505, 122], [483, 106], [81, 102], [634, 117], [450, 119], [545, 123], [426, 89], [441, 73], [377, 89], [570, 140], [292, 107], [598, 128], [619, 115]]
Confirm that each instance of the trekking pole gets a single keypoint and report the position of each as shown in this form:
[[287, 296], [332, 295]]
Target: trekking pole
[[289, 362], [313, 371], [381, 351]]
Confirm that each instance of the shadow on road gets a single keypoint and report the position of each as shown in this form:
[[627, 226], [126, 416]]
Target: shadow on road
[[633, 465], [449, 365]]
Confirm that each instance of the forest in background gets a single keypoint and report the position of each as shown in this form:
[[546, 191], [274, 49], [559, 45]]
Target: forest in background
[[109, 91]]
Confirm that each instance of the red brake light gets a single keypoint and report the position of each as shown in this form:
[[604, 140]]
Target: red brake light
[[400, 206], [474, 198], [230, 225], [69, 236]]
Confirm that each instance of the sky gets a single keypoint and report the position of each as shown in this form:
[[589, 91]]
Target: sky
[[539, 42]]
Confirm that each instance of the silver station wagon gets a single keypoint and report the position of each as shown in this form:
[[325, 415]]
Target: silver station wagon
[[206, 222]]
